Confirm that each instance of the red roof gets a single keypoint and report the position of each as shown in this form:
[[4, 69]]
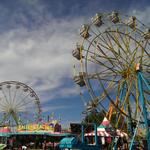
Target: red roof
[[5, 130]]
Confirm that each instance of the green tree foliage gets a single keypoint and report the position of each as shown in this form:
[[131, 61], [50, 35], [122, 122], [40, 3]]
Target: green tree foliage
[[94, 117]]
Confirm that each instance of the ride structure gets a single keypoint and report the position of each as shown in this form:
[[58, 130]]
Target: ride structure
[[114, 65], [75, 143], [19, 104]]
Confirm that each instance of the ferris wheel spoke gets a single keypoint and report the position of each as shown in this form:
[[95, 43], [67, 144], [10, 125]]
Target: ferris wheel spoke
[[108, 77], [3, 106], [127, 39], [110, 59], [3, 102], [103, 73], [125, 42], [22, 100], [92, 31], [135, 50], [21, 110], [105, 89], [5, 97], [103, 79], [24, 103], [10, 99], [106, 61], [147, 92], [116, 54], [143, 50], [13, 100], [148, 54], [93, 75], [103, 64], [110, 85], [105, 76], [3, 109], [16, 100], [115, 39], [97, 55]]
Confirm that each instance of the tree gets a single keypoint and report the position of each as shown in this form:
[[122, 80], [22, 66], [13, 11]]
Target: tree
[[94, 117]]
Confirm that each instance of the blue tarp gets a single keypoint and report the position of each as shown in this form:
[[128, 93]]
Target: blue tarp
[[68, 142]]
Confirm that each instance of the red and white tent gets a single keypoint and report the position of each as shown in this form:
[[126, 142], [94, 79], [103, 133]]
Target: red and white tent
[[99, 133], [101, 130]]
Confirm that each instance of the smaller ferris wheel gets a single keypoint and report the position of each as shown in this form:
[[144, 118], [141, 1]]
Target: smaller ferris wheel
[[19, 104]]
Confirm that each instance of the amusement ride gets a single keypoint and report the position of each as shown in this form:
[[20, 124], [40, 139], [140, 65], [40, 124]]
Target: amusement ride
[[114, 66], [19, 104]]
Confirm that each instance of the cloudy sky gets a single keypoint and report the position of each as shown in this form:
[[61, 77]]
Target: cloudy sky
[[36, 41]]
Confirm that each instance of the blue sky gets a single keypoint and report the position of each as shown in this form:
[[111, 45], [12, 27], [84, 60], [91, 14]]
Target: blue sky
[[36, 41]]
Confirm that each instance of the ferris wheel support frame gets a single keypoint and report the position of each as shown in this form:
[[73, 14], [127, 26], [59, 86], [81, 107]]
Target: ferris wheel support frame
[[129, 119], [141, 79]]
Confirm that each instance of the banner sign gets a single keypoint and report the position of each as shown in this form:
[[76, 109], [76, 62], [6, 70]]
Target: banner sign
[[38, 127]]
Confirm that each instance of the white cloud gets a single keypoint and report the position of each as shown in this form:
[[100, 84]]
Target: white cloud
[[53, 108], [143, 16], [41, 58]]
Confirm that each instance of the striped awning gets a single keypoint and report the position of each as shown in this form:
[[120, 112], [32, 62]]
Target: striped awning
[[121, 133], [99, 133]]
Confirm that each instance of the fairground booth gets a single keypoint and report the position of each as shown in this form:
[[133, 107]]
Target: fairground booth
[[35, 135]]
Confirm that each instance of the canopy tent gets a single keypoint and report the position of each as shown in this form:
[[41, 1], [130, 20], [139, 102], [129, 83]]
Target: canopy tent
[[105, 129], [99, 133], [5, 131], [101, 129], [105, 122], [105, 125]]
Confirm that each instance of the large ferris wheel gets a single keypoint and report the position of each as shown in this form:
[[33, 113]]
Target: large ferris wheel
[[114, 65], [19, 104]]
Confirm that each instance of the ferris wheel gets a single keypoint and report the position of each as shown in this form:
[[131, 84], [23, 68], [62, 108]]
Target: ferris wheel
[[114, 65], [19, 104]]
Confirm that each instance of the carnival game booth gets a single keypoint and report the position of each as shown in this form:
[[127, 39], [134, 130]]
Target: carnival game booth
[[36, 135], [46, 134]]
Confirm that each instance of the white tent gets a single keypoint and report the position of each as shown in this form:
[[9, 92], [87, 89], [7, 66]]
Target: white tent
[[102, 130]]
